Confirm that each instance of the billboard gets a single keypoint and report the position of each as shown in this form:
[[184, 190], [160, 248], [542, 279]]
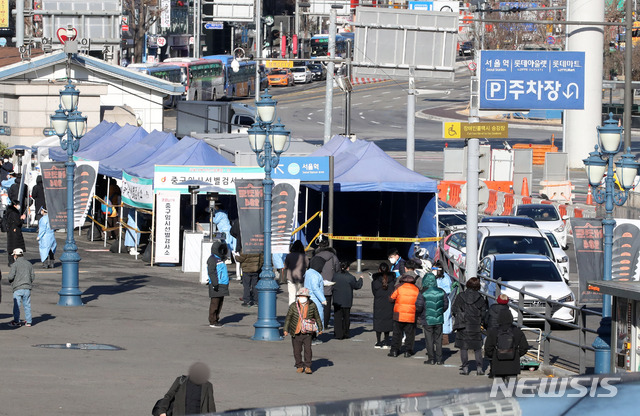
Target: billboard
[[520, 80], [230, 10]]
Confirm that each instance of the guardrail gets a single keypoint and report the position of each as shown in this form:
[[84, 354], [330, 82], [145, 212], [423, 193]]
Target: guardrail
[[580, 314]]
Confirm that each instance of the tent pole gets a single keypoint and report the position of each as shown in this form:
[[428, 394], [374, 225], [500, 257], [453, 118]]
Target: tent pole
[[106, 215], [152, 237], [330, 222], [306, 207]]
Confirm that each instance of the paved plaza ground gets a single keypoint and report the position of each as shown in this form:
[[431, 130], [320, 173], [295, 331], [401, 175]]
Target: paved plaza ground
[[158, 315]]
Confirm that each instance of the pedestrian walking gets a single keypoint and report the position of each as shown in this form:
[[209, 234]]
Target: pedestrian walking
[[407, 304], [14, 219], [21, 277], [295, 266], [300, 311], [468, 311], [188, 395], [435, 303], [251, 267], [345, 284], [218, 281], [46, 240], [504, 346], [330, 268], [382, 286]]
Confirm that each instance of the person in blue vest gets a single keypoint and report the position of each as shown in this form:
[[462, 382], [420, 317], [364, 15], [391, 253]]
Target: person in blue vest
[[435, 303], [218, 281], [397, 263], [46, 240]]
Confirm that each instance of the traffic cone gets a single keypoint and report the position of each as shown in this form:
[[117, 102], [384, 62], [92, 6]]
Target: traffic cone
[[525, 187], [589, 197]]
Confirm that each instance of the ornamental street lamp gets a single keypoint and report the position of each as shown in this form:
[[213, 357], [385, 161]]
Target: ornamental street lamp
[[69, 124], [599, 162], [266, 137]]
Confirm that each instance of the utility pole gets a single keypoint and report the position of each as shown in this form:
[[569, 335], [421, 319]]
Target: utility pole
[[473, 163], [628, 69], [197, 26], [347, 96], [411, 119], [328, 106], [258, 44]]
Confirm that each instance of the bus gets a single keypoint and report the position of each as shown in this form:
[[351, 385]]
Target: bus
[[320, 45], [202, 78], [236, 84], [170, 73]]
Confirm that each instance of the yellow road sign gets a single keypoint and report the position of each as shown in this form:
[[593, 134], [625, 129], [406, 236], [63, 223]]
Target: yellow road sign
[[279, 64], [459, 130]]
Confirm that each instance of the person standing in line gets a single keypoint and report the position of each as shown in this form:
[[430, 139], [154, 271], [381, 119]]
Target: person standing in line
[[331, 267], [468, 311], [21, 277], [46, 241], [435, 303], [295, 266], [221, 220], [397, 263], [218, 281], [407, 305], [188, 395], [444, 282], [382, 286], [302, 308], [504, 346], [314, 282], [345, 284], [502, 304], [14, 230], [37, 193], [251, 267]]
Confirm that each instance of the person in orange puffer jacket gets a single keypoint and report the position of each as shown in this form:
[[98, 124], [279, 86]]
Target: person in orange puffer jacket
[[408, 304]]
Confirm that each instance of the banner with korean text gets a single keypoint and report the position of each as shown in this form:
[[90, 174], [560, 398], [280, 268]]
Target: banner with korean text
[[167, 227], [167, 177], [250, 198], [587, 244]]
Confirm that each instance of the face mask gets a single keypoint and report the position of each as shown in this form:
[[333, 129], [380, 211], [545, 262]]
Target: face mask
[[302, 299], [392, 260]]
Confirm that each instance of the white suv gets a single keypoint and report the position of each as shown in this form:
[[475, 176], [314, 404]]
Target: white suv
[[548, 218]]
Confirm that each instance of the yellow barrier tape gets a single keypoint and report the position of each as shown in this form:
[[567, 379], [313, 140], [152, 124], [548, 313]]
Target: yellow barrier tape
[[313, 239], [392, 239], [306, 222]]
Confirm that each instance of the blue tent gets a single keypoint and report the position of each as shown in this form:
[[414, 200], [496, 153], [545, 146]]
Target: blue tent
[[134, 153], [110, 144], [188, 151], [93, 136], [375, 195]]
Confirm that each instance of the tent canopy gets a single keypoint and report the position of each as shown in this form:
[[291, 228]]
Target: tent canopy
[[188, 151], [361, 166], [110, 144], [93, 136], [134, 153]]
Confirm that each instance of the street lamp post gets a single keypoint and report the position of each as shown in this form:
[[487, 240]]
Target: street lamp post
[[267, 140], [68, 121], [599, 162]]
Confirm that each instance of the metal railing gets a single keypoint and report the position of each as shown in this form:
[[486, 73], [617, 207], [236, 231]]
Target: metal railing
[[580, 314]]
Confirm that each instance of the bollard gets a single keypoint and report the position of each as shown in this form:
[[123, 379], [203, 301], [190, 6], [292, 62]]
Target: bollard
[[359, 253]]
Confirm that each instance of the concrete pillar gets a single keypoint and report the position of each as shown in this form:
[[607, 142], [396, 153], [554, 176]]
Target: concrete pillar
[[581, 125]]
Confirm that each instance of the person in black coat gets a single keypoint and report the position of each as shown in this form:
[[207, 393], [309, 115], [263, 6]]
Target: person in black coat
[[5, 169], [502, 304], [14, 192], [468, 311], [37, 193], [14, 229], [505, 368], [345, 284], [382, 286]]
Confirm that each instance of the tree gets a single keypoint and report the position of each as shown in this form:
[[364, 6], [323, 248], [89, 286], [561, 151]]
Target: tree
[[142, 14]]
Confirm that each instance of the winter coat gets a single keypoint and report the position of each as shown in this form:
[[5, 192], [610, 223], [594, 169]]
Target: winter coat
[[314, 282], [346, 283], [218, 277], [251, 263], [14, 230], [21, 275], [296, 265], [221, 220], [435, 302], [331, 266], [382, 308], [492, 314], [178, 391], [291, 320], [406, 298], [505, 367], [14, 193], [468, 310], [46, 238], [5, 169], [398, 267], [37, 193]]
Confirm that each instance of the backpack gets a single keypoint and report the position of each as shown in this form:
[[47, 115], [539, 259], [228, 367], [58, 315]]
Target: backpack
[[505, 345]]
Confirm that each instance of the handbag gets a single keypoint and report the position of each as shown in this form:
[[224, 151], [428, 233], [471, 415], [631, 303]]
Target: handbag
[[308, 326]]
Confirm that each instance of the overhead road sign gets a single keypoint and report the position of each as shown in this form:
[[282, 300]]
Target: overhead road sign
[[229, 10], [278, 63], [520, 80], [460, 130]]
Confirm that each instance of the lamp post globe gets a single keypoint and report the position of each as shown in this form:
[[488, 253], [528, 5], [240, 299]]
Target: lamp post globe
[[610, 135]]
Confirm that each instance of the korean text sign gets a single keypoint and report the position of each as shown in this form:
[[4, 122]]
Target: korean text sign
[[519, 80]]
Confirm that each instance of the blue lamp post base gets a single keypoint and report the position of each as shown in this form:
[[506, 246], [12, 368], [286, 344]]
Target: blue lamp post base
[[70, 293], [267, 326], [602, 346]]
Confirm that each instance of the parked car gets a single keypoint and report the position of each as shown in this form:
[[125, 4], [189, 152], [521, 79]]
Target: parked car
[[561, 255], [301, 74], [533, 273], [548, 218], [448, 218], [494, 239], [466, 48], [281, 77], [510, 219], [318, 71]]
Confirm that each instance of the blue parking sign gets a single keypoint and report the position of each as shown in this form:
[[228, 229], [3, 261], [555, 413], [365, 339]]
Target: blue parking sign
[[521, 80]]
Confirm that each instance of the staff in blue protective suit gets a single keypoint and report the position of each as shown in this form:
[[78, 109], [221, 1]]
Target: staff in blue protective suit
[[46, 241], [132, 238], [221, 220], [315, 283], [443, 280]]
